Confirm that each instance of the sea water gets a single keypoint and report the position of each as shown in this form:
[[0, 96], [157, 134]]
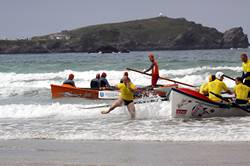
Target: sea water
[[27, 110]]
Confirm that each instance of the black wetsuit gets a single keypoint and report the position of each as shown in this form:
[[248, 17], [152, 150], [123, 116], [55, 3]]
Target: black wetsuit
[[69, 82], [104, 82], [95, 83]]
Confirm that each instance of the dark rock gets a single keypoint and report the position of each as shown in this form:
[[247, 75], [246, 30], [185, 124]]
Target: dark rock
[[160, 33], [235, 38]]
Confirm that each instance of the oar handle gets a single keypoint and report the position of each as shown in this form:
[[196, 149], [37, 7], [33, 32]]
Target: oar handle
[[229, 77], [164, 78]]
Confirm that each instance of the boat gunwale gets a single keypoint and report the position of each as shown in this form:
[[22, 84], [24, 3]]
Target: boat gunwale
[[221, 105]]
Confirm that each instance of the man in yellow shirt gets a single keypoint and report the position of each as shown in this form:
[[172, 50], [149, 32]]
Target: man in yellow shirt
[[246, 69], [204, 85], [216, 87], [127, 90], [241, 91]]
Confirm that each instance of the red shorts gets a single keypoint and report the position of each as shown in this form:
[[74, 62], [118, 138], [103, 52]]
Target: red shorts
[[154, 79]]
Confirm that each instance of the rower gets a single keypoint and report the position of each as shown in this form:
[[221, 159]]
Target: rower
[[70, 81], [204, 85], [241, 91], [245, 68], [155, 70], [103, 81], [95, 83], [216, 87]]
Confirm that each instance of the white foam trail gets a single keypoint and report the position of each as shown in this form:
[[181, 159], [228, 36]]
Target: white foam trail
[[76, 111]]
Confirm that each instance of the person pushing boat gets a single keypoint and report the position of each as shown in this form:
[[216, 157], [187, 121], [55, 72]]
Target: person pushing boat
[[127, 90], [155, 70]]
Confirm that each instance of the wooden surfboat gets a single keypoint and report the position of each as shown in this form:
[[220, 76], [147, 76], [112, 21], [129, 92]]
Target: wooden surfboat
[[187, 103]]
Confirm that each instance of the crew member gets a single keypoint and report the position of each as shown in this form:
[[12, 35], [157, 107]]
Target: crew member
[[95, 83], [204, 85], [216, 87], [103, 81], [70, 81], [241, 91], [127, 90], [155, 70], [246, 69], [124, 74]]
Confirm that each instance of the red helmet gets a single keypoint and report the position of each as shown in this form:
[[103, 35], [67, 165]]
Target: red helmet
[[151, 55], [71, 77], [125, 74], [104, 74], [97, 76]]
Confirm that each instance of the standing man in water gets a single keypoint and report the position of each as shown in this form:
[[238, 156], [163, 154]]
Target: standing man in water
[[245, 68], [155, 70], [127, 89]]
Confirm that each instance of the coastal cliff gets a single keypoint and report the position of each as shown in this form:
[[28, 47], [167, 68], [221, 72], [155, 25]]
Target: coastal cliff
[[160, 33]]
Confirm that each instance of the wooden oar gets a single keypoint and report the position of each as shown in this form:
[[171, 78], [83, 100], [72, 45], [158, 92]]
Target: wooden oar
[[163, 78], [229, 77], [233, 104]]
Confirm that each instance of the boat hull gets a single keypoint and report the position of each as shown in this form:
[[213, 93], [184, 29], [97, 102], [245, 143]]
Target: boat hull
[[58, 91], [65, 90], [186, 103]]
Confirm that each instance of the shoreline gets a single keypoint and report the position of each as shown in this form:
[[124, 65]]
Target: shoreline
[[112, 153]]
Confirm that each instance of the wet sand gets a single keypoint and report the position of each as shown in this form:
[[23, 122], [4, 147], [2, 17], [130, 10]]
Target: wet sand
[[116, 153]]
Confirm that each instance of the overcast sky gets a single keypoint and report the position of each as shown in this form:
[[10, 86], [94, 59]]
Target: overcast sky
[[26, 18]]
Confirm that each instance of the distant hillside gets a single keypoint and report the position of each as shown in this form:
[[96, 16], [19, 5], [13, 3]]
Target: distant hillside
[[160, 33]]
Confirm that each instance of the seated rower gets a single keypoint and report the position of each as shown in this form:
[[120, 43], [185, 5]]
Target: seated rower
[[241, 91], [204, 85], [103, 81], [95, 83], [216, 87], [70, 81]]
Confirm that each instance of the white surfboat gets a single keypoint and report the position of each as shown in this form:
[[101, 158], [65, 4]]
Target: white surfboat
[[187, 103]]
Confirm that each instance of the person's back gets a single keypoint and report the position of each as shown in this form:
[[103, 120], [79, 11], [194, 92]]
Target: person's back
[[216, 87], [95, 83], [246, 69], [70, 81], [241, 91], [204, 85], [103, 81]]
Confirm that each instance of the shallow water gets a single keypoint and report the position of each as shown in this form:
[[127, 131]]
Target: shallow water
[[27, 110]]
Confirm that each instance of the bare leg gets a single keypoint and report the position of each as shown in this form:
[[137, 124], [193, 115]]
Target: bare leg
[[115, 104], [131, 110]]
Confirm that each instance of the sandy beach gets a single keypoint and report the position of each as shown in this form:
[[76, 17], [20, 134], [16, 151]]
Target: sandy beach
[[114, 153]]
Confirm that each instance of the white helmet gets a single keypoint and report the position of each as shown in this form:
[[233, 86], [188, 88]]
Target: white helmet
[[219, 74]]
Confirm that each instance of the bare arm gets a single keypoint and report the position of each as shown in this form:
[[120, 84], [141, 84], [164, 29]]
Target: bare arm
[[151, 67]]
